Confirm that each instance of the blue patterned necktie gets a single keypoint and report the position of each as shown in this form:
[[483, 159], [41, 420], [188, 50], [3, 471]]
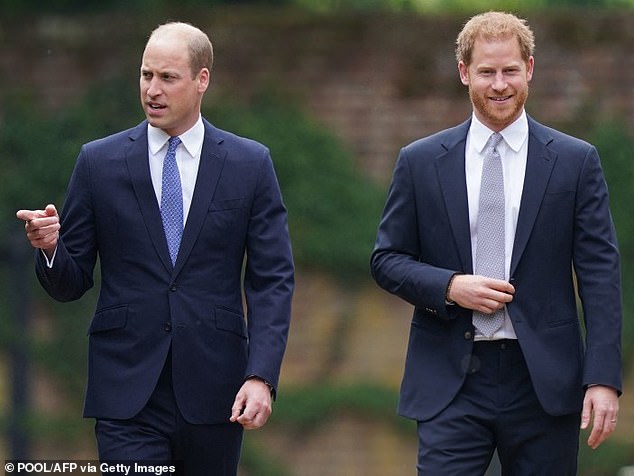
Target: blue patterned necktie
[[172, 199], [490, 246]]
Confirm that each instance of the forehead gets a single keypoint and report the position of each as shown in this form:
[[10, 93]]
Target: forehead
[[166, 52], [496, 50]]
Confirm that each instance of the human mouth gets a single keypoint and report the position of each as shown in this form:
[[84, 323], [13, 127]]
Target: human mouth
[[500, 98]]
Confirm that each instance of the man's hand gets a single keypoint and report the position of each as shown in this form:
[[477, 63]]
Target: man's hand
[[480, 293], [601, 405], [42, 228], [253, 404]]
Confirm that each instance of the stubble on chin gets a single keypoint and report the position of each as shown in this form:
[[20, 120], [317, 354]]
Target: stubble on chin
[[497, 120]]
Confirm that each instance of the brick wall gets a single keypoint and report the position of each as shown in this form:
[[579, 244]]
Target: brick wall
[[378, 80]]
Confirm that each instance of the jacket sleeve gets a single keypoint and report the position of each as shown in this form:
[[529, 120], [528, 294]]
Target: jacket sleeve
[[596, 264], [396, 262], [269, 277], [71, 274]]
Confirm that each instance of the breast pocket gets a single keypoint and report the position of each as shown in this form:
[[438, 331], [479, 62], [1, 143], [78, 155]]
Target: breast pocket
[[228, 204], [226, 221], [560, 199]]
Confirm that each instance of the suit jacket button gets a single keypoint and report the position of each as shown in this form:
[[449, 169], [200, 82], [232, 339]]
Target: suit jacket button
[[168, 327], [468, 335], [172, 287]]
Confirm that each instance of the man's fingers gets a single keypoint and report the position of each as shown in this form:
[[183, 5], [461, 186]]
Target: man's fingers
[[585, 417], [600, 432], [26, 215], [252, 406], [50, 210], [251, 419], [30, 215], [600, 408], [237, 408]]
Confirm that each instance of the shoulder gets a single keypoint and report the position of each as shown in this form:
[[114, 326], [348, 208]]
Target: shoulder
[[233, 143], [439, 142], [557, 140], [118, 139]]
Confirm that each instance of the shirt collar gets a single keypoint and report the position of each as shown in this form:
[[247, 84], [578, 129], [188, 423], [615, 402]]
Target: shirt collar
[[192, 139], [515, 134]]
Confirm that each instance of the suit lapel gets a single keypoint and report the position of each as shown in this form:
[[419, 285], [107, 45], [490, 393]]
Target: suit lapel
[[539, 166], [452, 180], [212, 158], [139, 168]]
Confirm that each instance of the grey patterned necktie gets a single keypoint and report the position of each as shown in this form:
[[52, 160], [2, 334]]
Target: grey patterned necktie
[[490, 245], [172, 199]]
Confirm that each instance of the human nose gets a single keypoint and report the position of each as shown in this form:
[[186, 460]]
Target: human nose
[[499, 82], [153, 88]]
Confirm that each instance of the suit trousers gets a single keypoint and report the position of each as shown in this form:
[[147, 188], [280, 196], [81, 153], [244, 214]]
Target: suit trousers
[[159, 434], [497, 408]]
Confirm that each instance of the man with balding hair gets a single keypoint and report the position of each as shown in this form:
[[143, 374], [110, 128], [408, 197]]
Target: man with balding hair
[[185, 219]]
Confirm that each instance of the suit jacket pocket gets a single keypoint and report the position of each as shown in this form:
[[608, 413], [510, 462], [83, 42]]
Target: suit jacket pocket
[[231, 321], [109, 319], [230, 204], [427, 321], [558, 198]]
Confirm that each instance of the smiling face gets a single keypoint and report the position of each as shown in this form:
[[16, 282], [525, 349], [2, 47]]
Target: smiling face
[[171, 94], [497, 78]]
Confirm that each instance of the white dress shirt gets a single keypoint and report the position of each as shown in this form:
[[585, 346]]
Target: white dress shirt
[[513, 150], [187, 159]]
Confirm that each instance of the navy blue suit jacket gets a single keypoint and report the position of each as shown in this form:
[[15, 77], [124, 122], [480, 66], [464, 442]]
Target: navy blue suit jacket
[[564, 225], [147, 306]]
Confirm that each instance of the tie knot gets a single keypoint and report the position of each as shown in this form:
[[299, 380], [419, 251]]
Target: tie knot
[[494, 140], [173, 143]]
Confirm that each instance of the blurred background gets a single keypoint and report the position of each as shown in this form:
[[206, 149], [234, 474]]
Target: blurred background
[[334, 88]]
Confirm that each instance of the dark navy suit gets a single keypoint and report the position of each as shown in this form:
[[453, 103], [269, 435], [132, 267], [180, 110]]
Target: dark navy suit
[[564, 223], [148, 307]]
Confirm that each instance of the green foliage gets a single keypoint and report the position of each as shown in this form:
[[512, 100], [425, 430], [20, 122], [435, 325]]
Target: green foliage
[[309, 407], [74, 6], [422, 6], [257, 461], [605, 460], [333, 210], [39, 150]]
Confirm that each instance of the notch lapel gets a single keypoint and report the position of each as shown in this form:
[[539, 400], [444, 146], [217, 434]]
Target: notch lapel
[[539, 166], [136, 156], [212, 159], [453, 184]]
